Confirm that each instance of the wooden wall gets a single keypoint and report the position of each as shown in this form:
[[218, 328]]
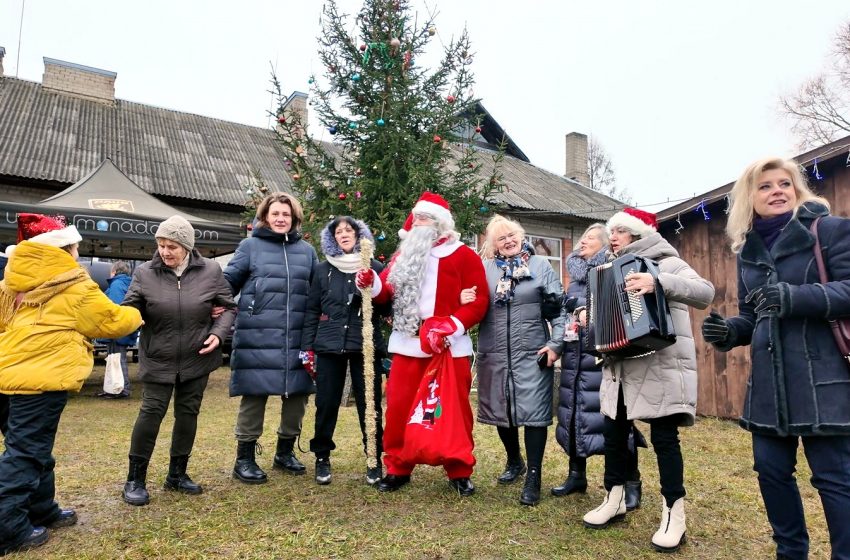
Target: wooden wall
[[704, 245]]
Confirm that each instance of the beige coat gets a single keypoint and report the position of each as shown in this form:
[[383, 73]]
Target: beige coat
[[665, 382]]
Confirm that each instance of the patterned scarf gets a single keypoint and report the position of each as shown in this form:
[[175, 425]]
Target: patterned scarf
[[578, 267], [514, 270]]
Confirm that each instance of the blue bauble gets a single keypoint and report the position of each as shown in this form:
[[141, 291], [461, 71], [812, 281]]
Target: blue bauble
[[380, 122], [483, 209], [355, 77], [353, 125], [332, 129]]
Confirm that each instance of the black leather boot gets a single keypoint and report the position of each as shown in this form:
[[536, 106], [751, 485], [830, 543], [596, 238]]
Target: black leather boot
[[633, 494], [514, 469], [177, 478], [531, 491], [284, 457], [576, 480], [246, 468], [135, 493]]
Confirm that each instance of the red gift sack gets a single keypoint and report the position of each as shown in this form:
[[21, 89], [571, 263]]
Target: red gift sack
[[439, 426]]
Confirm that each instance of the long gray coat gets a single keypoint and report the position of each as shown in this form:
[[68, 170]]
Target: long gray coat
[[510, 336], [665, 382]]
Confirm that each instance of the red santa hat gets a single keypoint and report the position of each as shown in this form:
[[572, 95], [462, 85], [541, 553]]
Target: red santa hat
[[428, 203], [636, 221], [47, 230]]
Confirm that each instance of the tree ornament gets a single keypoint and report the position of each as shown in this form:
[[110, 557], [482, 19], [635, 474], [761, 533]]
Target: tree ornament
[[342, 196], [395, 43], [310, 80], [477, 130], [353, 125], [380, 122], [296, 176], [381, 257], [363, 47], [483, 209], [437, 139], [358, 172], [355, 77], [382, 236], [332, 129], [432, 31], [357, 195], [281, 119], [450, 99]]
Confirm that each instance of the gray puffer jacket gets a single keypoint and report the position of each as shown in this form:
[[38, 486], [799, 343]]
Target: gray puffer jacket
[[664, 382], [512, 388], [177, 315]]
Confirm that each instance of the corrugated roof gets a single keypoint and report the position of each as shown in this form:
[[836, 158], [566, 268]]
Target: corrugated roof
[[50, 136]]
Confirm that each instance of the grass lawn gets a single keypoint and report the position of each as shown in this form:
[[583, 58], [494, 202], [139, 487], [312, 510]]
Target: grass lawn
[[293, 517]]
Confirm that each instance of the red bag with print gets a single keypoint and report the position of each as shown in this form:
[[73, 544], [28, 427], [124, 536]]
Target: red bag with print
[[439, 426]]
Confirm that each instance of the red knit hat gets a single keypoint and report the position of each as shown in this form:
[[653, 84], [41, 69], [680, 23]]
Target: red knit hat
[[47, 230], [428, 203], [639, 222]]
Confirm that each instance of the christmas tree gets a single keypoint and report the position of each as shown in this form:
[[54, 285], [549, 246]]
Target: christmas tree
[[397, 129]]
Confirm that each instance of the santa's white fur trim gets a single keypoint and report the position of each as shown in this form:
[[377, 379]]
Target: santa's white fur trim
[[58, 237], [441, 213], [636, 226]]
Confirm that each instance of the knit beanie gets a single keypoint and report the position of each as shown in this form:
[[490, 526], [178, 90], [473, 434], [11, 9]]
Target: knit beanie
[[179, 230]]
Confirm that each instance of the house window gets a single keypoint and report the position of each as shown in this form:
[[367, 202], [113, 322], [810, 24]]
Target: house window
[[549, 248]]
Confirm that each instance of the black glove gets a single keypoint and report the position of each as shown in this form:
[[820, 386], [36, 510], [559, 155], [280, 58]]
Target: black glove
[[570, 303], [715, 329], [774, 297]]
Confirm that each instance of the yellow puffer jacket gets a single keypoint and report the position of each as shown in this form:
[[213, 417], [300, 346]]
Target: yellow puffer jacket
[[44, 344]]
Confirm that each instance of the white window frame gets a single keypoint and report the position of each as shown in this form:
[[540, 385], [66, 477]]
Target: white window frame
[[559, 259]]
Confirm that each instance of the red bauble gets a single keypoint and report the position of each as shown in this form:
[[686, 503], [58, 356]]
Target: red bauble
[[381, 257], [478, 130], [358, 172], [296, 176], [363, 47], [342, 196], [281, 119], [437, 139], [450, 99]]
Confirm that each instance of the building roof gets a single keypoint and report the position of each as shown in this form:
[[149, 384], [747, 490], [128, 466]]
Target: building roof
[[54, 137]]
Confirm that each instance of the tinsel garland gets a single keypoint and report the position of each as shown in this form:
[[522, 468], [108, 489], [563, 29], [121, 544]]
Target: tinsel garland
[[367, 248]]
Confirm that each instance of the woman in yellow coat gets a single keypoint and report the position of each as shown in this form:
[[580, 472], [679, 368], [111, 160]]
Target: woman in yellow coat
[[49, 309]]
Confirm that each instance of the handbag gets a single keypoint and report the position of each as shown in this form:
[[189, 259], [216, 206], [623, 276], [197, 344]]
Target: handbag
[[113, 378], [840, 327], [439, 427]]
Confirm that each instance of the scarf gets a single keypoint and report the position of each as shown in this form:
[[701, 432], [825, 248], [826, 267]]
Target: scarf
[[349, 263], [514, 270], [10, 301], [578, 266], [770, 228]]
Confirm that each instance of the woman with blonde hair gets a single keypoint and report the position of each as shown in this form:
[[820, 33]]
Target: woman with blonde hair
[[271, 271], [517, 350], [799, 386]]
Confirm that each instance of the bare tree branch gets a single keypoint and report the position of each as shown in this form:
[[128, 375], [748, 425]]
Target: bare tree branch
[[601, 172]]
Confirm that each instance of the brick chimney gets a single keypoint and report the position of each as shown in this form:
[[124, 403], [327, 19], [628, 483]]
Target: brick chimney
[[79, 80], [295, 110], [2, 54], [577, 158]]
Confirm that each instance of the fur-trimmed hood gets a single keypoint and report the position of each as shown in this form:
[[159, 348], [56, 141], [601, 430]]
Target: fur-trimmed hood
[[330, 248]]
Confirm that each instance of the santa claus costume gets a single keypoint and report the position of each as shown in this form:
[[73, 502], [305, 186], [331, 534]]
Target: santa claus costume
[[424, 280]]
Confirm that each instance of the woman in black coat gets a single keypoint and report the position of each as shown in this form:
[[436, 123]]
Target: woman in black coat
[[333, 339], [580, 423], [271, 272], [799, 386]]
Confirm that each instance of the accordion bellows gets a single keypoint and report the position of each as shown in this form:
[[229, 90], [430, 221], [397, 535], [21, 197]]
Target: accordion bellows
[[624, 324]]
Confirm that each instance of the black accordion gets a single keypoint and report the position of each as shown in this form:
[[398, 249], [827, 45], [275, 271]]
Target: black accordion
[[625, 324]]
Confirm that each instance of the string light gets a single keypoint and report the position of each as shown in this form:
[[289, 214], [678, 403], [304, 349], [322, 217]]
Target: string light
[[701, 208], [815, 173], [679, 226]]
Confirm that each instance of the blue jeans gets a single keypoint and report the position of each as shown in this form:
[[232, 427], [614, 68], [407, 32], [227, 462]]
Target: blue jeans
[[122, 349], [27, 482], [775, 460]]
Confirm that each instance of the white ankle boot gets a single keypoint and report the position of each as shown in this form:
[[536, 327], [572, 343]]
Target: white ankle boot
[[613, 509], [671, 533]]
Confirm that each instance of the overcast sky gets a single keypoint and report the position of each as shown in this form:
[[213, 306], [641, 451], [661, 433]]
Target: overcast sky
[[681, 94]]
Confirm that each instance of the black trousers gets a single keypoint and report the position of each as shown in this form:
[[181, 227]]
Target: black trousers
[[664, 434], [155, 399], [4, 413], [27, 481], [330, 381]]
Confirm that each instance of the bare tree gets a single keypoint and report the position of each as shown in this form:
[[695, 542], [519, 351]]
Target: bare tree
[[820, 109], [601, 172]]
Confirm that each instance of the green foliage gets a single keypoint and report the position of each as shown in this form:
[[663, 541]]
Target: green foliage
[[398, 129], [256, 190]]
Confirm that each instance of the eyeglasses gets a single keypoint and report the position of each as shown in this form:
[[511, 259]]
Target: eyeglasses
[[423, 216]]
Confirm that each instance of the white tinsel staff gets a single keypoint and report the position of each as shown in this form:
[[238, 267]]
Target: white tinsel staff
[[367, 249]]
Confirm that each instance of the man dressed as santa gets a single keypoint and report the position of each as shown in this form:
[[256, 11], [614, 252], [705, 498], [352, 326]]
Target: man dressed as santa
[[424, 280]]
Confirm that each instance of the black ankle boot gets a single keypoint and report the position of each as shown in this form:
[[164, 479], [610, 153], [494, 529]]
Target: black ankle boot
[[633, 494], [576, 480], [246, 468], [177, 478], [135, 493], [285, 457], [514, 469], [531, 491]]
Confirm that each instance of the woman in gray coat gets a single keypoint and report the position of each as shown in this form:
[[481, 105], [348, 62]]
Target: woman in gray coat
[[178, 349], [659, 388], [516, 350]]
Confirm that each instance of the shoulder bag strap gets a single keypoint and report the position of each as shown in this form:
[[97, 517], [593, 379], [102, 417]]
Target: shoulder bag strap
[[840, 341]]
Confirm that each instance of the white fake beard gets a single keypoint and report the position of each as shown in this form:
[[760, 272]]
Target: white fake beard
[[406, 277]]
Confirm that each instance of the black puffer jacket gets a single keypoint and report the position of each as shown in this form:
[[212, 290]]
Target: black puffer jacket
[[271, 272], [177, 318]]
